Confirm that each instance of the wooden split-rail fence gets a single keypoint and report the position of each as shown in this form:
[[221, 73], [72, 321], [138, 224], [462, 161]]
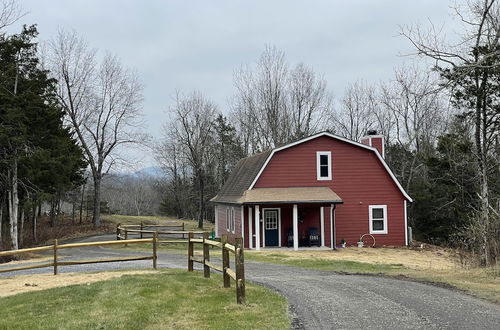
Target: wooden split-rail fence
[[124, 231], [57, 262], [238, 274], [166, 233]]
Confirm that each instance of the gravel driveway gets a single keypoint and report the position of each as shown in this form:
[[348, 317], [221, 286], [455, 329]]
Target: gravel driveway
[[325, 300]]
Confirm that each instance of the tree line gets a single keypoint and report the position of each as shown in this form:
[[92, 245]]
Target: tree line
[[64, 119], [440, 121]]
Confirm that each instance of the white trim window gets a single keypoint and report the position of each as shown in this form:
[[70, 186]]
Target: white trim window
[[228, 220], [378, 219], [324, 165], [232, 220]]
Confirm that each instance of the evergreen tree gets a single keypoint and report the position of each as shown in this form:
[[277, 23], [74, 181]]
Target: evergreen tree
[[37, 154]]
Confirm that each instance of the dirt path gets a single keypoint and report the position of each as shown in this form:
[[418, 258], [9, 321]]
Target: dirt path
[[326, 300]]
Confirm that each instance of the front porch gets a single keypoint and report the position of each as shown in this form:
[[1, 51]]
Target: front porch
[[297, 226], [301, 248]]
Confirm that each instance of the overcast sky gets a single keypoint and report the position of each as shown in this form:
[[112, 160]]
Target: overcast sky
[[196, 45]]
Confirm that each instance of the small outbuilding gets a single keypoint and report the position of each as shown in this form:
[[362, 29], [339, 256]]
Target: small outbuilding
[[321, 190]]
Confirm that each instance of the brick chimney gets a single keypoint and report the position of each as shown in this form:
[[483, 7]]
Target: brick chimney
[[372, 139]]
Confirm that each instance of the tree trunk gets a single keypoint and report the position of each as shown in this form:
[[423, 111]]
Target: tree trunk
[[35, 218], [485, 213], [52, 212], [1, 222], [482, 156], [13, 200], [73, 213], [96, 217], [81, 203], [201, 201], [58, 204], [21, 228]]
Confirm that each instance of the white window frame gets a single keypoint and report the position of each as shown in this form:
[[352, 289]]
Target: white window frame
[[232, 223], [228, 220], [370, 217], [318, 165]]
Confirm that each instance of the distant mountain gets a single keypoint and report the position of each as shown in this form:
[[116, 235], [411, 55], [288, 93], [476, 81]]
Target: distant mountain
[[153, 171]]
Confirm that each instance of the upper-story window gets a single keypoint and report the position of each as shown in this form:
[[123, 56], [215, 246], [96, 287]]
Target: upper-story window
[[324, 165]]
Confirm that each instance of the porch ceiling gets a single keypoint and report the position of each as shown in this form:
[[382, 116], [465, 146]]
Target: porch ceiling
[[296, 195]]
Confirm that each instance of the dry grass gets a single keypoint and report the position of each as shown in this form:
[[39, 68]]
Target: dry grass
[[421, 259], [431, 263], [28, 283]]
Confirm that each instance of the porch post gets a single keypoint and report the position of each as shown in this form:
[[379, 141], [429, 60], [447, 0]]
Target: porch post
[[257, 227], [295, 227], [242, 218], [250, 228], [322, 223], [216, 221], [332, 225]]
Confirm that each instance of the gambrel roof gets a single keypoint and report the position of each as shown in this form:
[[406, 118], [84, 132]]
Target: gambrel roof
[[248, 170]]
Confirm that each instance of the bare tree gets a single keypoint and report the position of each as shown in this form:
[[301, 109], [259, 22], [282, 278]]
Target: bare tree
[[172, 158], [102, 104], [274, 104], [418, 106], [192, 126], [471, 66], [420, 113], [309, 101], [10, 12], [356, 114]]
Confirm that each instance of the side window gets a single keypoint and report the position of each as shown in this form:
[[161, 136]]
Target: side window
[[232, 220], [228, 221], [378, 219], [324, 165]]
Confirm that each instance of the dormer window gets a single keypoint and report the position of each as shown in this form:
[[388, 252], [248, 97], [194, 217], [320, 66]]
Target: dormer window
[[324, 165]]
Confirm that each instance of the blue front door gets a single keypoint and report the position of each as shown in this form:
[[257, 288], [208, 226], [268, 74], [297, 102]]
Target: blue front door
[[271, 227]]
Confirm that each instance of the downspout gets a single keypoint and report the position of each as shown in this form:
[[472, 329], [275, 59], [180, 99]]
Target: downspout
[[333, 232]]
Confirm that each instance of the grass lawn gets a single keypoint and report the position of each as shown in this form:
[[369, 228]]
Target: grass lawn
[[172, 299], [435, 265]]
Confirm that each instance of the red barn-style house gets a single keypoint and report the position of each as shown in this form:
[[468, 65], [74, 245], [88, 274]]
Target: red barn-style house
[[321, 190]]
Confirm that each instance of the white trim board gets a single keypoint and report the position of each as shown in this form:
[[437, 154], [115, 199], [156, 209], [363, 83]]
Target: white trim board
[[312, 137], [406, 222]]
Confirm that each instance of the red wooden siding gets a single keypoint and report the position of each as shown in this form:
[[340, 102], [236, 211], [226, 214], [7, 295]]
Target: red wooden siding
[[358, 178], [222, 229]]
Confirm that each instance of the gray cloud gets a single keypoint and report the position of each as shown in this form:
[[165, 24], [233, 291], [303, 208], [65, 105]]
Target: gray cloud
[[186, 45]]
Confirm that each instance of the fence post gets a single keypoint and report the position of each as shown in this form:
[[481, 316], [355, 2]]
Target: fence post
[[183, 231], [190, 252], [141, 229], [206, 256], [118, 231], [240, 271], [126, 235], [155, 245], [225, 262], [55, 257]]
